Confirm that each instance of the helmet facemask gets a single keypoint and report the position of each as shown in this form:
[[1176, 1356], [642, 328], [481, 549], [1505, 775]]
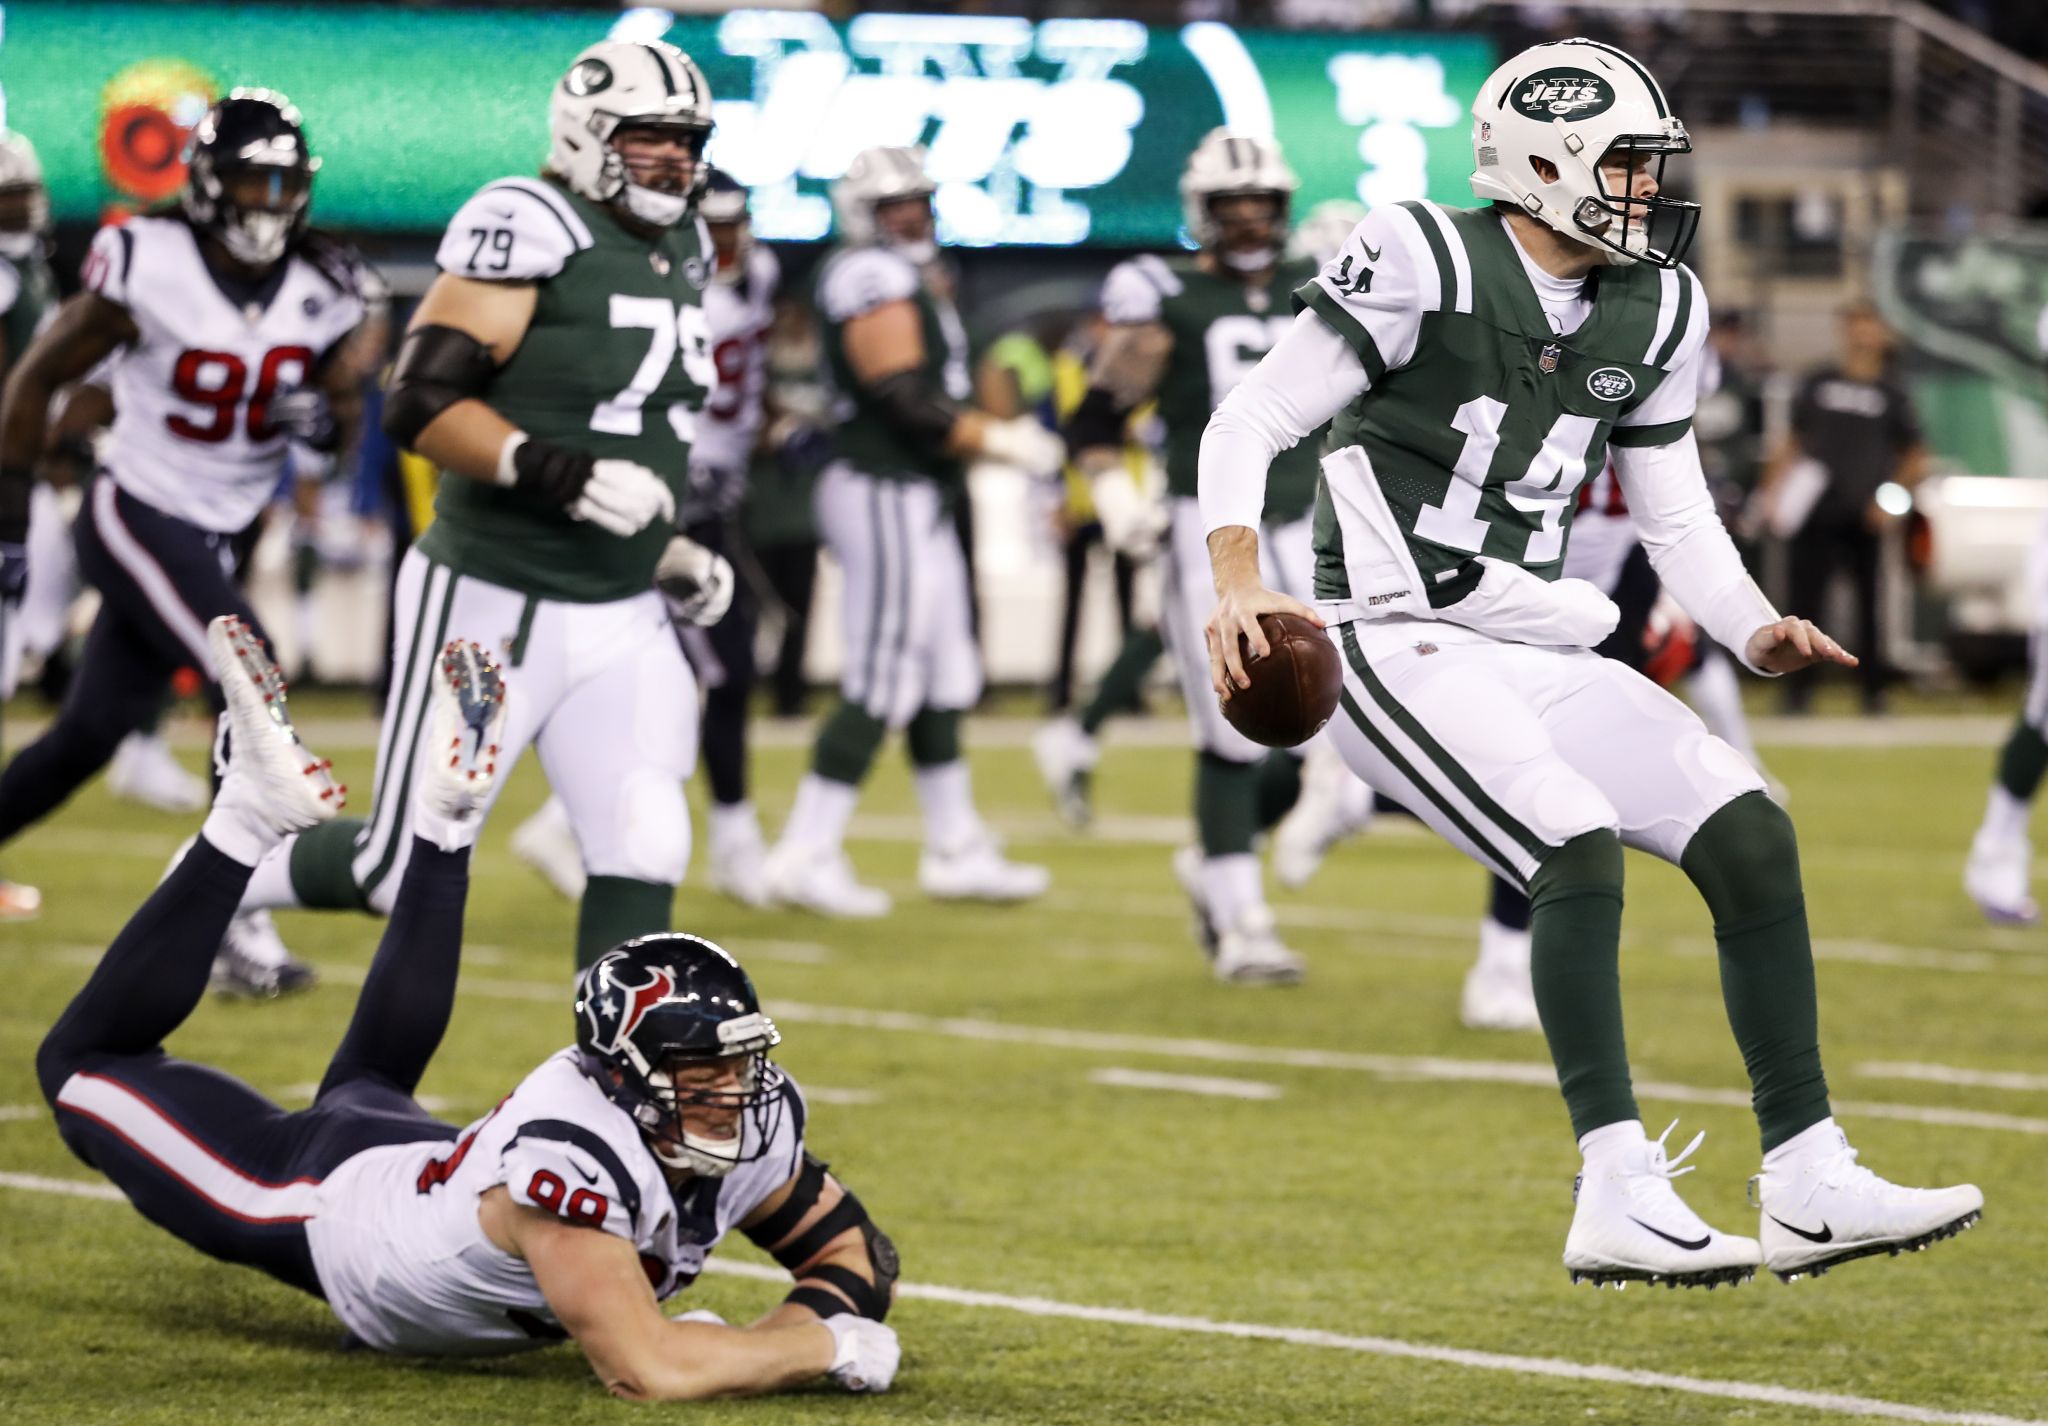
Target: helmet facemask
[[657, 190], [749, 1099], [1255, 257], [1653, 229], [893, 220], [724, 211]]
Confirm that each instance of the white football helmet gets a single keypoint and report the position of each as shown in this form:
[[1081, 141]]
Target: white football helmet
[[1320, 234], [1225, 165], [618, 83], [22, 172], [1572, 103], [876, 176]]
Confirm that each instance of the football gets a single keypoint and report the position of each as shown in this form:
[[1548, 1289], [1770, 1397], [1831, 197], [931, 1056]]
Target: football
[[1294, 688]]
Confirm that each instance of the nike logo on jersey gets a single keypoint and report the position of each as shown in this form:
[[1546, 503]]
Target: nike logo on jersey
[[1686, 1243], [589, 1175], [1825, 1235], [1372, 254]]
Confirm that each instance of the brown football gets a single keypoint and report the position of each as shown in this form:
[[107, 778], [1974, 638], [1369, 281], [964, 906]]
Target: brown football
[[1294, 688]]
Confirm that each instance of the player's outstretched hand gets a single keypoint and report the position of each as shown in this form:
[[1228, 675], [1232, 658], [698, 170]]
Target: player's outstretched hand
[[624, 497], [1237, 612], [864, 1353], [1792, 644]]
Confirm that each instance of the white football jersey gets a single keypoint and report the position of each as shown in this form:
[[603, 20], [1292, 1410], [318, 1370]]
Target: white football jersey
[[740, 314], [405, 1263], [190, 435]]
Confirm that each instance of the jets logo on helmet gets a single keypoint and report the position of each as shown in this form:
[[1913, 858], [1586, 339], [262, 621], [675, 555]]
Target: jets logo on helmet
[[638, 86], [1564, 94]]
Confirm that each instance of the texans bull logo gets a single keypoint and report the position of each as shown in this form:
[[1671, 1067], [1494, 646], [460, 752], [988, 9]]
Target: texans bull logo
[[617, 1012]]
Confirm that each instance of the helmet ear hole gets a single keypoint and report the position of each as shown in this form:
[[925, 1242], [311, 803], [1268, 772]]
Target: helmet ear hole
[[1543, 168]]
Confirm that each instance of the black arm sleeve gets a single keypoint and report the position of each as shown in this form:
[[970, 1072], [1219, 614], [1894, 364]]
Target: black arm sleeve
[[1097, 421], [919, 413], [437, 366]]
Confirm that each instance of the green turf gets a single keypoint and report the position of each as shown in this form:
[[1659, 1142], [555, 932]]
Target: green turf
[[1422, 1210]]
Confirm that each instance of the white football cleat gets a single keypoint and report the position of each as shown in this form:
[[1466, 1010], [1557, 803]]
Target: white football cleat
[[547, 843], [1249, 952], [1630, 1225], [466, 727], [1333, 805], [739, 855], [820, 880], [1188, 865], [977, 870], [266, 772], [144, 771], [1997, 876], [1823, 1208], [1066, 756], [1498, 994], [252, 961]]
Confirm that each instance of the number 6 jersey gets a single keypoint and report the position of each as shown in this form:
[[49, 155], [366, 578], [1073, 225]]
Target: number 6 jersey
[[191, 434]]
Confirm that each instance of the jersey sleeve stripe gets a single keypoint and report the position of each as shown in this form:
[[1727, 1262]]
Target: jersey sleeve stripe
[[1681, 322], [1312, 296], [561, 1131], [1440, 254], [572, 223], [1667, 307], [1663, 435]]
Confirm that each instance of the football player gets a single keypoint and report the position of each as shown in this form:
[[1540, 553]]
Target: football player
[[740, 306], [555, 372], [897, 357], [238, 331], [1478, 364], [593, 1191], [1999, 873]]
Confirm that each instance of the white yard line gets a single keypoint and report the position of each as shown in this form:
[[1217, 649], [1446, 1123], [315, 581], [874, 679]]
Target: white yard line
[[824, 1094], [9, 1113], [1213, 1086], [1556, 1368], [1951, 1074]]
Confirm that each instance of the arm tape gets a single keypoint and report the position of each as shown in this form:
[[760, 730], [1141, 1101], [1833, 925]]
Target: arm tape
[[803, 1196], [436, 367], [1097, 421], [919, 413], [820, 1300], [869, 1299]]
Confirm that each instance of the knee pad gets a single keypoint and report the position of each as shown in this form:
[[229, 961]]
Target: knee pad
[[651, 839]]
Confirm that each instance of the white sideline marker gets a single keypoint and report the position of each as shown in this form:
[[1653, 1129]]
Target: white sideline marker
[[1555, 1367], [1952, 1074], [1212, 1085]]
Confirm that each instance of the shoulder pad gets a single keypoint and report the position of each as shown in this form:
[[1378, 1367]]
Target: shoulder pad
[[862, 279], [514, 230], [110, 261], [342, 266], [573, 1172], [1134, 290]]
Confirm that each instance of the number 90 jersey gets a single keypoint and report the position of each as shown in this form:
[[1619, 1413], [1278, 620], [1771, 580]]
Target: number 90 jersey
[[616, 362], [402, 1256], [191, 434]]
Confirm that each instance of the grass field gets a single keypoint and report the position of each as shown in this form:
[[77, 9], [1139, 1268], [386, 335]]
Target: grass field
[[1381, 1228]]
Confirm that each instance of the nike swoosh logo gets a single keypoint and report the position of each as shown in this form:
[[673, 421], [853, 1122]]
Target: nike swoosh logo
[[590, 1175], [1825, 1235], [1372, 254], [1677, 1242]]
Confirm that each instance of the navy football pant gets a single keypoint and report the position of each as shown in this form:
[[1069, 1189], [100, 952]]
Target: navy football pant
[[723, 660], [197, 1151]]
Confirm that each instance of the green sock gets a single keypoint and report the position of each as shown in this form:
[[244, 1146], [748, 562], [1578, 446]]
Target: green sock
[[847, 745], [618, 908], [322, 866], [2023, 760], [1745, 861], [1279, 786], [1575, 962], [1118, 690], [934, 737], [1226, 804]]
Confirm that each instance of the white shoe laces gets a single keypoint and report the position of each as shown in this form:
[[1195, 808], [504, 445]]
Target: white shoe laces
[[1655, 1180], [1840, 1171]]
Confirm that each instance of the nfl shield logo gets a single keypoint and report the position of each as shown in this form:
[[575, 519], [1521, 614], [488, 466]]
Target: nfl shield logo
[[1546, 360]]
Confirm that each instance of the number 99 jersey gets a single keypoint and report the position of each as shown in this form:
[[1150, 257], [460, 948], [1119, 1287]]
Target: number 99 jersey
[[191, 434]]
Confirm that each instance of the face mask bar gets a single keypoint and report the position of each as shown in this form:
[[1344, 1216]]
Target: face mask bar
[[1657, 230], [758, 1102]]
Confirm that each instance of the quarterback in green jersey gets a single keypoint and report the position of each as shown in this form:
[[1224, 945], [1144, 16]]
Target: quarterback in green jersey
[[554, 372], [1479, 366]]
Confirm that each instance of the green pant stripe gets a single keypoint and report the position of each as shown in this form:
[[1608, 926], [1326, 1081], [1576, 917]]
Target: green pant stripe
[[402, 794], [1534, 845], [1502, 865], [875, 605]]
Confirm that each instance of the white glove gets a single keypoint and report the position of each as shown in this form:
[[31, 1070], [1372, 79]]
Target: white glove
[[864, 1353], [1511, 603], [698, 582], [1131, 524], [1022, 442], [624, 497]]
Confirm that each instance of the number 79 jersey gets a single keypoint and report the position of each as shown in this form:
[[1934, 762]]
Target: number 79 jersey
[[1480, 421]]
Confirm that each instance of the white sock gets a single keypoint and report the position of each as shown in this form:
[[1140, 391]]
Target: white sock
[[946, 792], [733, 823], [2005, 816], [1609, 1138], [1824, 1137], [239, 833], [823, 808], [442, 830], [1503, 947], [271, 884], [1233, 885]]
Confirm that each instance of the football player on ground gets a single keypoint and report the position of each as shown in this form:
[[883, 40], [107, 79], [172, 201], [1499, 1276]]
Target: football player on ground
[[1999, 874], [594, 1190], [740, 306], [897, 357], [1478, 363], [555, 372], [238, 331]]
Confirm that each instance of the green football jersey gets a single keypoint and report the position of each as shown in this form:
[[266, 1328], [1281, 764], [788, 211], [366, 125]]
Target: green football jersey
[[28, 293], [1221, 327], [852, 282], [1481, 422], [616, 362]]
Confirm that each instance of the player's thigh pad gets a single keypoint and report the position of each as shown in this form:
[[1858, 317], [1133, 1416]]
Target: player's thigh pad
[[952, 658], [1648, 753], [1447, 722], [1185, 604]]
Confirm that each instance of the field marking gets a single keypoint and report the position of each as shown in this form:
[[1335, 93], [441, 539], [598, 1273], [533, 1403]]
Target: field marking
[[11, 1112], [1952, 1074], [822, 1094], [1558, 1368], [1211, 1085]]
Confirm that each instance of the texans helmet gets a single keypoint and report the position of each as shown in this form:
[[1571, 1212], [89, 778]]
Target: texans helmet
[[251, 132], [724, 205], [654, 1006]]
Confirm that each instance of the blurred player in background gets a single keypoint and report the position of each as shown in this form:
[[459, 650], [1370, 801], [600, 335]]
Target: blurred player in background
[[897, 356], [1477, 374], [1999, 873], [740, 307], [237, 331], [555, 372]]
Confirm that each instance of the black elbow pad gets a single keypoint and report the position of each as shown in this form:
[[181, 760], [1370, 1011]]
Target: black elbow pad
[[1097, 421], [436, 367], [917, 412]]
